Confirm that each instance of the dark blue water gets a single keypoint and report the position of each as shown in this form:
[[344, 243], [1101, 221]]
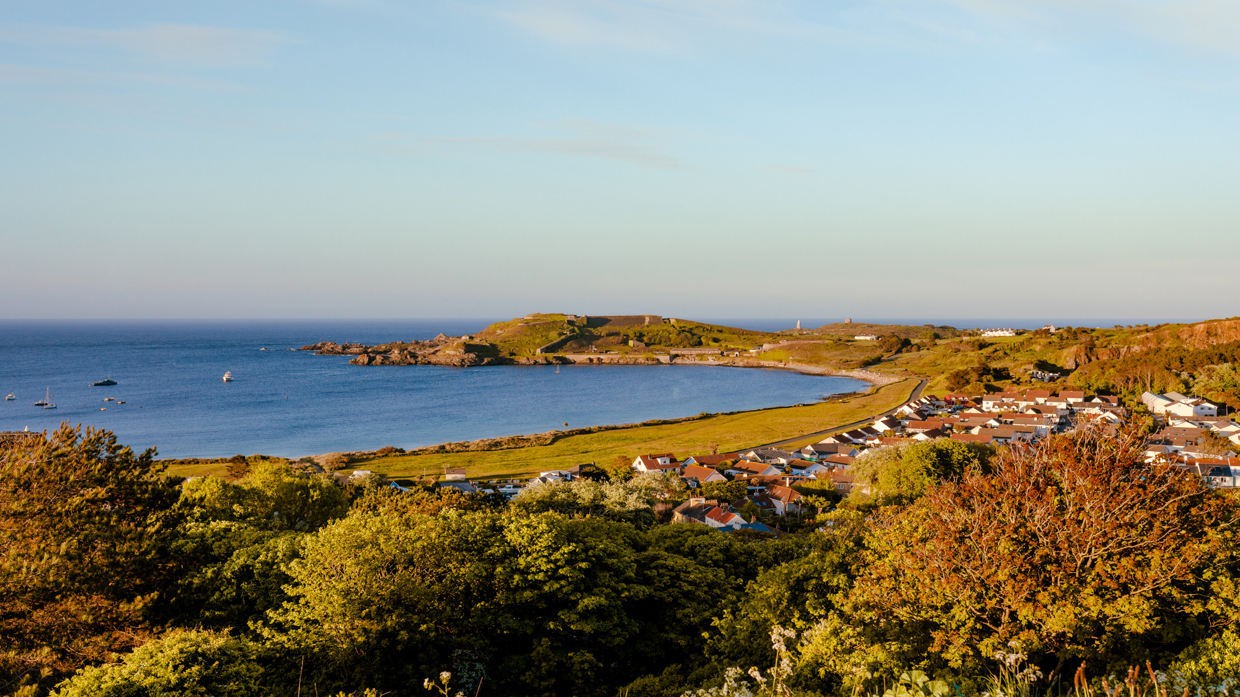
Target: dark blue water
[[293, 403]]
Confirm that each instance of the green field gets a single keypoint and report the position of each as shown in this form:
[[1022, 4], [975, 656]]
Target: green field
[[731, 432]]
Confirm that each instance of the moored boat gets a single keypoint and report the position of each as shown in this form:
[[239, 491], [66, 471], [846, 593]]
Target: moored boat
[[228, 376], [104, 383], [10, 397], [46, 401]]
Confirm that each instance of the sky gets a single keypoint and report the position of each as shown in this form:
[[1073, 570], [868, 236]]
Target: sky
[[691, 158]]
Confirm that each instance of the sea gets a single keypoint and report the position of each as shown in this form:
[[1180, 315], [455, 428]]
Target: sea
[[170, 394]]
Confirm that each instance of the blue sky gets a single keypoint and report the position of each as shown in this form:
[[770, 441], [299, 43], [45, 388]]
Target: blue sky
[[710, 158]]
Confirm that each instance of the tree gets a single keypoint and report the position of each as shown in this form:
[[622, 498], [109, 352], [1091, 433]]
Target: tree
[[83, 521], [181, 664], [902, 472], [631, 501], [1077, 549], [273, 497], [621, 468], [238, 466], [725, 491]]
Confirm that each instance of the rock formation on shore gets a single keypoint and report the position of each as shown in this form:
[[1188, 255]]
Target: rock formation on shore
[[456, 351]]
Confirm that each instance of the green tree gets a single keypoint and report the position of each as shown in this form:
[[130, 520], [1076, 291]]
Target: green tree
[[725, 491], [83, 522], [902, 472], [238, 466], [631, 501], [273, 496], [231, 573], [180, 664]]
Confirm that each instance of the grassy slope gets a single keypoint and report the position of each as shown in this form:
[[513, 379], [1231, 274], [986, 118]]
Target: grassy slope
[[728, 432]]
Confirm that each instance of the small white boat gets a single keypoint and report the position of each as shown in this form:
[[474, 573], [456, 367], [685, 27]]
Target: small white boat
[[228, 376], [10, 398]]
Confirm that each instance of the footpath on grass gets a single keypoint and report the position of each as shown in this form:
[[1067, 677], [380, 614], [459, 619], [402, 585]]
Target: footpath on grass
[[725, 433]]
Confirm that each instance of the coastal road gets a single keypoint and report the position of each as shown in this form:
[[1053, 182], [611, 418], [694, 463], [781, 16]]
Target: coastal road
[[856, 424]]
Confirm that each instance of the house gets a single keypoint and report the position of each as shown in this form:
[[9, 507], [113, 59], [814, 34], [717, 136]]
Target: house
[[770, 456], [1217, 472], [712, 460], [984, 437], [454, 475], [927, 425], [826, 449], [562, 475], [706, 512], [1192, 407], [887, 424], [656, 463], [839, 461], [693, 510], [724, 518], [1037, 396], [999, 332], [761, 483], [843, 481], [695, 476], [971, 421], [1000, 401], [932, 434], [784, 498], [1070, 396], [866, 337], [590, 470], [746, 469], [1007, 434], [807, 467], [463, 487]]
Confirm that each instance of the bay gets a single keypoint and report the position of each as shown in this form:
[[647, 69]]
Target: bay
[[292, 403]]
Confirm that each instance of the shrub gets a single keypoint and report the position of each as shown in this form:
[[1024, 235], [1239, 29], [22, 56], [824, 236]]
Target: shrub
[[183, 663]]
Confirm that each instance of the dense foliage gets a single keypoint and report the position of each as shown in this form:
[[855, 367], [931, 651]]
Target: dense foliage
[[117, 582]]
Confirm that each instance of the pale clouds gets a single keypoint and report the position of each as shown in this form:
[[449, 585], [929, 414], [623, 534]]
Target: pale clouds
[[1209, 25], [35, 75], [649, 25], [590, 139], [785, 169], [167, 43]]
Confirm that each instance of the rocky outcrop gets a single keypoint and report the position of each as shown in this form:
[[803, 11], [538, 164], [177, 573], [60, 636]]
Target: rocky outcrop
[[456, 351]]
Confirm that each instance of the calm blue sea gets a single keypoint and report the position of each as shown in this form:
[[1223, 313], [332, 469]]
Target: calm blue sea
[[292, 403]]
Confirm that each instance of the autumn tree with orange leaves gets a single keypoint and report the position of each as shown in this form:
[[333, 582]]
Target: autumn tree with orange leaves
[[1077, 550]]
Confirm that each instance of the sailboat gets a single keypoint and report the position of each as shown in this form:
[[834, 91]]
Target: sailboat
[[46, 402]]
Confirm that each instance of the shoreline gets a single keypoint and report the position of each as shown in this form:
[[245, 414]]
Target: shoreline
[[529, 440], [874, 381]]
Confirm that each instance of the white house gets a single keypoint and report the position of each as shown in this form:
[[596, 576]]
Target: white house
[[656, 463]]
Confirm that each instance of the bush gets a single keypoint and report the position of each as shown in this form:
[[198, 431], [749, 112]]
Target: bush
[[181, 664], [336, 461]]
